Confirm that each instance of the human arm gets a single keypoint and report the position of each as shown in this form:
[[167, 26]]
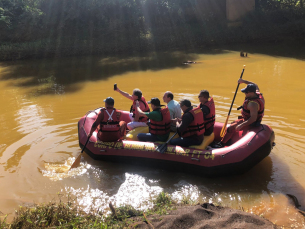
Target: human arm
[[248, 82], [253, 107], [125, 94], [142, 107], [185, 122], [139, 111], [99, 118]]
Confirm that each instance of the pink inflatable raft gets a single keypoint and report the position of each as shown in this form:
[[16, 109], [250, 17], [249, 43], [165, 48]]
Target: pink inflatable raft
[[247, 150]]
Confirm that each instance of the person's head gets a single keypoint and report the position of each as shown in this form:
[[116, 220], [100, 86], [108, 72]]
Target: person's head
[[168, 96], [136, 94], [249, 90], [109, 102], [185, 104], [203, 96], [154, 103]]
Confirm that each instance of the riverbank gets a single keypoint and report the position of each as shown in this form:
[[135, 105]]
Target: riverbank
[[165, 213], [258, 27]]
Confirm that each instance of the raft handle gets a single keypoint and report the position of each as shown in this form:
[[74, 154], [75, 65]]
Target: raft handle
[[273, 144], [195, 159]]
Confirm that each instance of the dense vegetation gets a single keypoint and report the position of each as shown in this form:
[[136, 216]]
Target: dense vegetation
[[38, 28]]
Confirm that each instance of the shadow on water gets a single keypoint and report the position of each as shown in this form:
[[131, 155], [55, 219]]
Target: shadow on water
[[266, 177], [58, 76]]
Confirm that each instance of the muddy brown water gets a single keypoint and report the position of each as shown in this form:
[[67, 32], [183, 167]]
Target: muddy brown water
[[42, 100]]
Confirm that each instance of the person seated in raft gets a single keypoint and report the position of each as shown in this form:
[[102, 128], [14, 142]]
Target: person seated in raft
[[252, 112], [159, 122], [174, 108], [191, 127], [110, 128], [137, 120], [208, 109]]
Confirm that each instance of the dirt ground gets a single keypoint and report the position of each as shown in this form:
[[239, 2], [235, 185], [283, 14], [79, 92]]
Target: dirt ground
[[205, 216]]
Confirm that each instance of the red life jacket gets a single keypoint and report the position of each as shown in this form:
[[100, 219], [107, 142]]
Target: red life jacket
[[133, 109], [161, 127], [197, 125], [246, 113], [209, 119], [111, 120]]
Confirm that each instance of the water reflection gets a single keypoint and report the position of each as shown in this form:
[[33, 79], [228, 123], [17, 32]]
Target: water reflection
[[60, 76]]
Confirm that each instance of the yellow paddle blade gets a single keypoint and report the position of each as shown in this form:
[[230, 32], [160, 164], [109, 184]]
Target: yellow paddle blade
[[224, 128]]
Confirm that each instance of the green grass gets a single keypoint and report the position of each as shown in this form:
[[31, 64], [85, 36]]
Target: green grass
[[68, 215]]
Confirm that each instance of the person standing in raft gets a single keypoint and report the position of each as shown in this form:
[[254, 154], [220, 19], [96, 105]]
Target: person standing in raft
[[174, 108], [110, 128], [251, 114], [191, 127], [137, 120], [208, 109], [159, 122]]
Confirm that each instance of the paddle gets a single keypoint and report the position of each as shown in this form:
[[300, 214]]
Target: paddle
[[77, 160], [163, 147], [224, 128]]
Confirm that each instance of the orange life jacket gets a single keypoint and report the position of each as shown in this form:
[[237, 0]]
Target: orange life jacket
[[246, 113], [161, 127], [209, 119], [111, 120], [133, 109], [197, 125]]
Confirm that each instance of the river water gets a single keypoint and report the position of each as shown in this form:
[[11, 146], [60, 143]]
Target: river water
[[42, 100]]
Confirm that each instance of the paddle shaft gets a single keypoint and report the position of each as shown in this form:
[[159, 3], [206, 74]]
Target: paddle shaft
[[85, 144], [171, 137], [222, 133], [163, 147], [236, 91]]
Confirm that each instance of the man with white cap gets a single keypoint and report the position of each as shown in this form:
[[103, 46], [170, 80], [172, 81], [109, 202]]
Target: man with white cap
[[110, 128]]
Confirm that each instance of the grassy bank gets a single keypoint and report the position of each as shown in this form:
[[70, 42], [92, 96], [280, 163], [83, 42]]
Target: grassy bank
[[165, 213], [69, 215]]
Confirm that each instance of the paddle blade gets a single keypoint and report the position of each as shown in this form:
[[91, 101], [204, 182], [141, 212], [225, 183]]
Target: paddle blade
[[224, 128], [76, 162], [162, 148]]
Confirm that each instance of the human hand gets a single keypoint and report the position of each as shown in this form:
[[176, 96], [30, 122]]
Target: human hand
[[238, 127], [240, 81]]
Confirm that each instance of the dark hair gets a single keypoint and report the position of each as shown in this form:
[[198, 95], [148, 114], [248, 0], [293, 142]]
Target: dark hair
[[155, 101], [170, 95], [138, 93], [186, 102], [205, 94]]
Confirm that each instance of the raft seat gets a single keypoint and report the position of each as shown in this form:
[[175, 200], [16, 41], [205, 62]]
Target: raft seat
[[132, 136], [206, 141]]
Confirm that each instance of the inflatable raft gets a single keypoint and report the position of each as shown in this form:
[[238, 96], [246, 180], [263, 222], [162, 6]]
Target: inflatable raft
[[247, 150]]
